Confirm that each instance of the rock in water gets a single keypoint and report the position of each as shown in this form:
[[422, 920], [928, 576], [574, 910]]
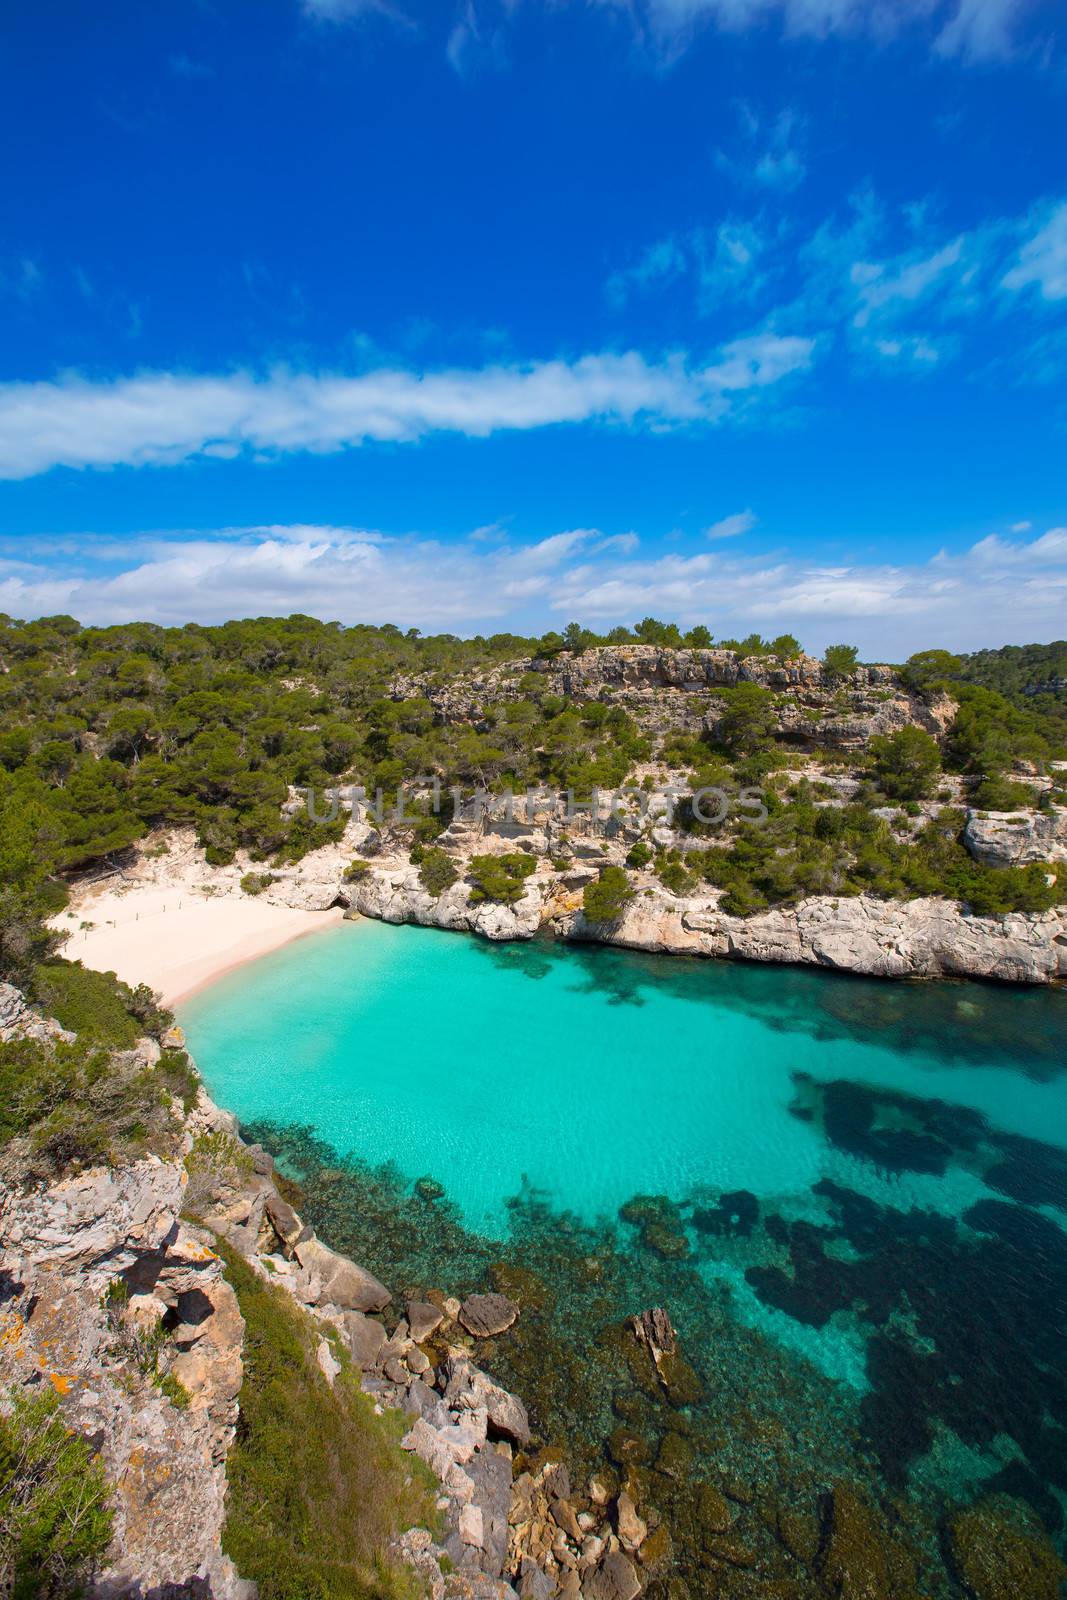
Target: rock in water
[[614, 1579], [487, 1314], [654, 1328]]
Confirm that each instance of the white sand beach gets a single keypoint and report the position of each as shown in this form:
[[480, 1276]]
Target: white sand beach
[[176, 938]]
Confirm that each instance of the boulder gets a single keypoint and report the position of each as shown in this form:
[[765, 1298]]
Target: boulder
[[631, 1528], [365, 1338], [484, 1315], [468, 1388], [654, 1328], [614, 1579], [1008, 839], [341, 1282], [424, 1319], [285, 1222]]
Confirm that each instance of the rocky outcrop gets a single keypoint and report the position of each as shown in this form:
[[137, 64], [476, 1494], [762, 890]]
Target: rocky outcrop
[[394, 894], [19, 1020], [664, 688], [880, 938], [89, 1269], [1014, 838]]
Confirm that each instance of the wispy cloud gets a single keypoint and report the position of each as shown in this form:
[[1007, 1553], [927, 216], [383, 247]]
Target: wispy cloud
[[892, 285], [352, 10], [662, 262], [975, 31], [159, 419], [474, 44], [1042, 260], [768, 152], [982, 30], [184, 66], [354, 575], [733, 526]]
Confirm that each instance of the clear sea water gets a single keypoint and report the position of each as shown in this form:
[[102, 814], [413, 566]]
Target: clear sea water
[[886, 1134]]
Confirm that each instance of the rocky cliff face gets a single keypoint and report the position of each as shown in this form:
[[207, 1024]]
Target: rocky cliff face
[[1012, 839], [63, 1251], [878, 938], [665, 689]]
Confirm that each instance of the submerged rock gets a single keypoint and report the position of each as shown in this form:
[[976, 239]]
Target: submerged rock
[[484, 1315], [1000, 1552]]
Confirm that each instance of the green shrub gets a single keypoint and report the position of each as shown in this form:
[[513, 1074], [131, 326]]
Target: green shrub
[[674, 876], [437, 871], [55, 1524], [217, 1162], [357, 868], [999, 793], [906, 763], [639, 854], [91, 1004], [605, 900], [257, 882], [318, 1486], [216, 855], [72, 1105], [500, 878], [840, 659]]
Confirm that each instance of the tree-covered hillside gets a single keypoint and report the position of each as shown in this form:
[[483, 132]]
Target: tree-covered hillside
[[107, 733]]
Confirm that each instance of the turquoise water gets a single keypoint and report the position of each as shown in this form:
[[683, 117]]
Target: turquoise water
[[851, 1195], [593, 1076]]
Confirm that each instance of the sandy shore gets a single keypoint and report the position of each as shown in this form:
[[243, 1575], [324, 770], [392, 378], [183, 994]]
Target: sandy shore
[[174, 937]]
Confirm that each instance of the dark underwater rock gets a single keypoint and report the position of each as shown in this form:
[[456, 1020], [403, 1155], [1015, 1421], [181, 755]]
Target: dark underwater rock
[[485, 1315], [1000, 1553]]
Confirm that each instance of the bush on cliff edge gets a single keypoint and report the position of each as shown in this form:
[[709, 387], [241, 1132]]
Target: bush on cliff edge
[[317, 1483]]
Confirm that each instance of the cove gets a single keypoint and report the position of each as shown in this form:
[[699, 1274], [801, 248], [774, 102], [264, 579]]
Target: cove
[[592, 1074], [852, 1196]]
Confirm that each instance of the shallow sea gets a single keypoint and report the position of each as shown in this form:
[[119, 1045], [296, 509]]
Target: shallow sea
[[851, 1196]]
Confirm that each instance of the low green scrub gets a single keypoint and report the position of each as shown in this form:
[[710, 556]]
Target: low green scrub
[[500, 878], [804, 850], [437, 871], [256, 882], [55, 1524], [90, 1004], [318, 1486], [605, 900], [216, 1163], [66, 1106]]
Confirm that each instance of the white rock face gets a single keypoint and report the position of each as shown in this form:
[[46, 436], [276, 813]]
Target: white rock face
[[886, 939], [396, 895], [1008, 839]]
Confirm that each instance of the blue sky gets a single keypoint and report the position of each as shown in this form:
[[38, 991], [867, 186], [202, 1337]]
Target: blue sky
[[502, 313]]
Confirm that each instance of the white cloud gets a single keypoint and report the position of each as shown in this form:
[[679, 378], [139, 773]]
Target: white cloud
[[981, 30], [473, 45], [999, 591], [1042, 261], [660, 263], [731, 527], [972, 30], [162, 418]]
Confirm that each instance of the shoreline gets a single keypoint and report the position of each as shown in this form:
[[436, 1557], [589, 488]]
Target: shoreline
[[144, 935]]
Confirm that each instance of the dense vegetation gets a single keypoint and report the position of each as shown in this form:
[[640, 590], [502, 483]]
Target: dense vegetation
[[317, 1487], [55, 1524], [107, 733]]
